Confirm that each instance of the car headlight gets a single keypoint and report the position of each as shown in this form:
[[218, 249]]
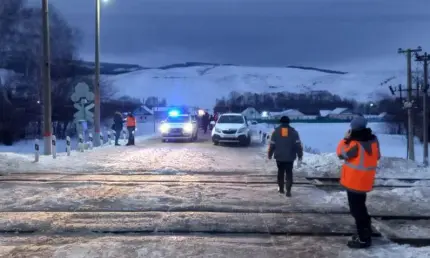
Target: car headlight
[[217, 130], [164, 128], [188, 128], [242, 130]]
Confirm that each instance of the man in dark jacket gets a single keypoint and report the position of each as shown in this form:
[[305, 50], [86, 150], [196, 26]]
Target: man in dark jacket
[[205, 122], [286, 146], [117, 126]]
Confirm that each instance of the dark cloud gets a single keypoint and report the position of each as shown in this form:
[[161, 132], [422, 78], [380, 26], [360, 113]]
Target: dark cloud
[[252, 32]]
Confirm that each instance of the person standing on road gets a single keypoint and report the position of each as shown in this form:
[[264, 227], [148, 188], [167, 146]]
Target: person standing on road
[[117, 126], [360, 151], [205, 122], [286, 146], [131, 128]]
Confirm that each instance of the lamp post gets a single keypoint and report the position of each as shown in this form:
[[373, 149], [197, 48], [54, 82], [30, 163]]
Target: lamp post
[[97, 77], [47, 109]]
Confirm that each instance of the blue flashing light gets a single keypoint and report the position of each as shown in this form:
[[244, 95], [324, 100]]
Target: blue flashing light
[[174, 113]]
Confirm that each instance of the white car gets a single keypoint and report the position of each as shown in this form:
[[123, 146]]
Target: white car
[[231, 128], [179, 127]]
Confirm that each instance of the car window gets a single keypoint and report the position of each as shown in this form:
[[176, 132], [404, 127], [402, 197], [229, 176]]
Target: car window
[[178, 119], [230, 120]]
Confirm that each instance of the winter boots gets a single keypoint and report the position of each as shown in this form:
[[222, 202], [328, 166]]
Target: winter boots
[[281, 190], [361, 240]]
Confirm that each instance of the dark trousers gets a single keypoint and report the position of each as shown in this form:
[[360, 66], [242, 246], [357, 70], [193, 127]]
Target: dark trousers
[[285, 168], [130, 130], [358, 209], [117, 135]]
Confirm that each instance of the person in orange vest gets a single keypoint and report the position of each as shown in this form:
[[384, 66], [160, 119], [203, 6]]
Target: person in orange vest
[[131, 128], [360, 151]]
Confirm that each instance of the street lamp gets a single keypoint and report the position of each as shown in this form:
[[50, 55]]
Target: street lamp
[[97, 76], [47, 109]]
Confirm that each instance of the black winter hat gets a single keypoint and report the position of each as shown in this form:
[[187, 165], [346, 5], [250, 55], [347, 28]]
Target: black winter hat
[[285, 120]]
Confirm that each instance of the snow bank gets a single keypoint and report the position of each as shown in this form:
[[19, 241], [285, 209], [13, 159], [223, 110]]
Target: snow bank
[[320, 141], [27, 146], [20, 156]]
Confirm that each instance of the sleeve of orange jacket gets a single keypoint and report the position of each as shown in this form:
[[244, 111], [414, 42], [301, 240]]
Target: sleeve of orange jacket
[[346, 150]]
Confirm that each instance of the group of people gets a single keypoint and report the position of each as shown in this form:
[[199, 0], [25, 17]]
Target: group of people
[[118, 125], [359, 149], [206, 119]]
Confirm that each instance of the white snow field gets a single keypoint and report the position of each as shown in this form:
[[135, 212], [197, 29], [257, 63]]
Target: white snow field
[[181, 85], [179, 199]]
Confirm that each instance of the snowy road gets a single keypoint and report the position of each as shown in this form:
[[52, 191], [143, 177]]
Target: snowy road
[[149, 155]]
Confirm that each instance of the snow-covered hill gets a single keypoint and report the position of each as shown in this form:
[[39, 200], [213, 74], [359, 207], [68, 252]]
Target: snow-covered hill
[[201, 85]]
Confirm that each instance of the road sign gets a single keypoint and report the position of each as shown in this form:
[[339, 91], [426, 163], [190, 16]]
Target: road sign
[[82, 91], [90, 106]]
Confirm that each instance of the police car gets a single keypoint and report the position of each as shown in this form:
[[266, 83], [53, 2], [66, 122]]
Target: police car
[[231, 128], [179, 126]]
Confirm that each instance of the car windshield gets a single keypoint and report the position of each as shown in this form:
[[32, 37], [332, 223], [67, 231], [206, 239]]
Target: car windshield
[[178, 119], [230, 120]]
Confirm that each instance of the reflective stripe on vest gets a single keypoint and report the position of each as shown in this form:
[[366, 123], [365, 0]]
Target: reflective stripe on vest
[[361, 157], [358, 173]]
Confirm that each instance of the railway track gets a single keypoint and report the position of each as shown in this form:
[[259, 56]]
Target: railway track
[[209, 220], [206, 223], [320, 182]]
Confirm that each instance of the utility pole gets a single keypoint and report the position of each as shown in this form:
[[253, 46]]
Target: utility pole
[[408, 52], [97, 78], [393, 92], [425, 59], [47, 106]]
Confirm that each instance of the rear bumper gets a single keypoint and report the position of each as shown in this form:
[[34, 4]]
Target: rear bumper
[[176, 137], [229, 138], [182, 135]]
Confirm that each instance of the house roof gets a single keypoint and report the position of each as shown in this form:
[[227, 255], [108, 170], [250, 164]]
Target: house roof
[[325, 112], [250, 109], [383, 114], [144, 110], [288, 112], [147, 109], [338, 111], [292, 112]]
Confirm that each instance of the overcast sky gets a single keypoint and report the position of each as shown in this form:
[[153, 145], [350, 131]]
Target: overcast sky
[[251, 32]]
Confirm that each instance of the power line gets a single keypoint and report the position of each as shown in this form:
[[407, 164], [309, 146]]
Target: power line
[[425, 59], [408, 52]]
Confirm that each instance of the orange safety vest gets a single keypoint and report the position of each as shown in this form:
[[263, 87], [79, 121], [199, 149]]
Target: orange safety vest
[[131, 121], [358, 173]]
